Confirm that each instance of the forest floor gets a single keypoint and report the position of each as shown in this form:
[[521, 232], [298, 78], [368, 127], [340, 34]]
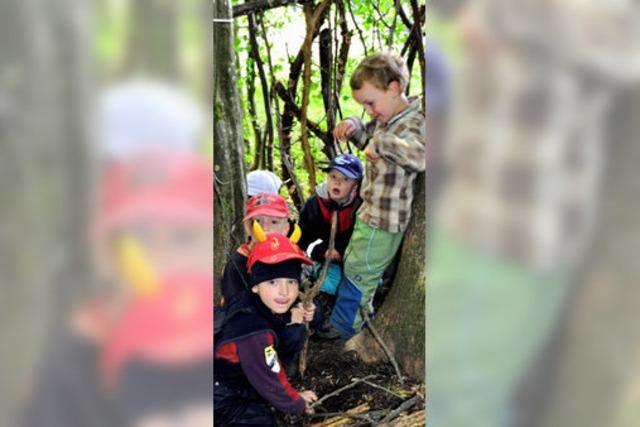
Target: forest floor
[[330, 368]]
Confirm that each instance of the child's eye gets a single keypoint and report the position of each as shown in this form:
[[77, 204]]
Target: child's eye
[[274, 222], [272, 282], [293, 282]]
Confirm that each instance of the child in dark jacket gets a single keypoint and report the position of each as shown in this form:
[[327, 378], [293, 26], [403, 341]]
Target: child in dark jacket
[[338, 193], [272, 213], [248, 370]]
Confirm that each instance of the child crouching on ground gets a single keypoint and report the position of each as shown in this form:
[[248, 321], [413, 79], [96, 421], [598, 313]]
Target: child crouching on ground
[[248, 369]]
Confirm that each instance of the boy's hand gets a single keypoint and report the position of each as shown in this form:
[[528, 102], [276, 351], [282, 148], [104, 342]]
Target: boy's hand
[[344, 129], [297, 314], [371, 153], [333, 256], [307, 313], [309, 397]]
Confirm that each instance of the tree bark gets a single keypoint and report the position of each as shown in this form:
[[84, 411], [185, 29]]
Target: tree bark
[[153, 39], [401, 318], [598, 380], [228, 154], [261, 5], [326, 79], [266, 98], [286, 125], [44, 177]]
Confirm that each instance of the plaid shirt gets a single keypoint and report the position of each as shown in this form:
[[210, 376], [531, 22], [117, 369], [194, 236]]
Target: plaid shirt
[[387, 188]]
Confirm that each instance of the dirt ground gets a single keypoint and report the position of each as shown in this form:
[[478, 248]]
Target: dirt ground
[[329, 368]]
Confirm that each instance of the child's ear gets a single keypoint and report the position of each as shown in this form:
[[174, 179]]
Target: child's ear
[[254, 289], [394, 87]]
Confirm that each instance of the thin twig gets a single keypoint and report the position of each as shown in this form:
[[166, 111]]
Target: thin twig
[[293, 108], [340, 414], [384, 389], [403, 407], [311, 290], [354, 382], [355, 23], [255, 54], [380, 15], [378, 338], [327, 261], [372, 415]]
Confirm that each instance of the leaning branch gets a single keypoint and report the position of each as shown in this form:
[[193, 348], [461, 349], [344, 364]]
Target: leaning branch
[[378, 338], [314, 127], [261, 5], [311, 292], [407, 404], [354, 383]]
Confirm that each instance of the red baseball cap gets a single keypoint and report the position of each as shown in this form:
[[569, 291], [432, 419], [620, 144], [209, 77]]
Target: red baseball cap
[[266, 204], [275, 249], [156, 184], [171, 327]]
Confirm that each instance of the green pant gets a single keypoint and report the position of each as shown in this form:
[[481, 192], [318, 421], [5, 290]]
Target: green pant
[[487, 319], [369, 253]]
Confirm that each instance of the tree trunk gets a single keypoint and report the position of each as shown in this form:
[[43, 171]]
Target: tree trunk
[[44, 176], [228, 154], [400, 320], [599, 372], [153, 38]]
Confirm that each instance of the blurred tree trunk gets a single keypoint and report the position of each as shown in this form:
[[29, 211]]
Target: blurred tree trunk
[[44, 176], [401, 318], [152, 40], [598, 381], [228, 154]]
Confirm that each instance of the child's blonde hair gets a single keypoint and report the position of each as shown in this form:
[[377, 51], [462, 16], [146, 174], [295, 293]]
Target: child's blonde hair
[[380, 69]]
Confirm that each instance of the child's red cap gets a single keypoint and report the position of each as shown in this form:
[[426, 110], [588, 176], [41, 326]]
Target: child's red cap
[[266, 204], [275, 249], [157, 184]]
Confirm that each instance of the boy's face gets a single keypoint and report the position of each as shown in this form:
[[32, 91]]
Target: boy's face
[[379, 104], [339, 185], [277, 294], [272, 224]]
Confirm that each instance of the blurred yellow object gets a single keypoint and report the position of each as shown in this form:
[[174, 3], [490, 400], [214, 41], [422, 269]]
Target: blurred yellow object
[[258, 232], [136, 267]]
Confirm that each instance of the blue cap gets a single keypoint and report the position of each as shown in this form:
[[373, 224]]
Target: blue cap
[[348, 164]]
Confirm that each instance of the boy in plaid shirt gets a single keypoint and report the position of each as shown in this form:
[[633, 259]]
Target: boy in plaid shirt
[[394, 144]]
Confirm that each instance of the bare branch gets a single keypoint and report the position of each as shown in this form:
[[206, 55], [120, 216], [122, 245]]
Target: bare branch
[[312, 19], [407, 404], [383, 388], [355, 23], [253, 114], [354, 382], [326, 71], [378, 338], [293, 186], [291, 106], [261, 5], [255, 54]]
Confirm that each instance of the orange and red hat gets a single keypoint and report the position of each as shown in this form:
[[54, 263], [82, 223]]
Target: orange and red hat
[[156, 184], [274, 249], [266, 204]]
